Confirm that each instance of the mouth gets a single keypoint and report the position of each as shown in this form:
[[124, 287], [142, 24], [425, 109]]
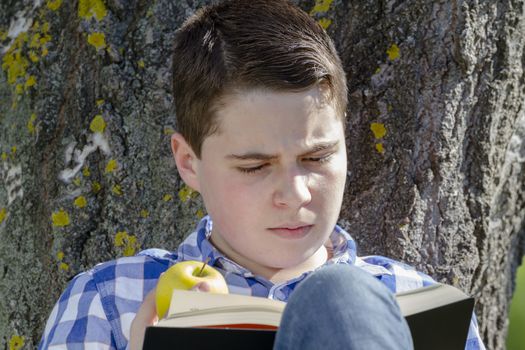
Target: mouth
[[291, 231]]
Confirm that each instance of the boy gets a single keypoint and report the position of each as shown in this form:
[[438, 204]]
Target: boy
[[261, 102]]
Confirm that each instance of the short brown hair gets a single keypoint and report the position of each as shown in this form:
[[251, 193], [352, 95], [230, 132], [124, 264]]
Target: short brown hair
[[245, 44]]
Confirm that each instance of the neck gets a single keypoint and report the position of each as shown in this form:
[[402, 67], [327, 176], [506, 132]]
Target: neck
[[316, 260], [275, 275]]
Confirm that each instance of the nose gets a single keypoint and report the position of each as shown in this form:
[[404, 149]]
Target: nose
[[292, 190]]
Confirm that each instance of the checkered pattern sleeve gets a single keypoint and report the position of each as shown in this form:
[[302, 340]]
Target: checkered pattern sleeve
[[97, 307], [474, 341], [402, 277], [78, 320]]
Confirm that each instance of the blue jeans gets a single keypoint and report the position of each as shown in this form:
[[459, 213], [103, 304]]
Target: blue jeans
[[342, 307]]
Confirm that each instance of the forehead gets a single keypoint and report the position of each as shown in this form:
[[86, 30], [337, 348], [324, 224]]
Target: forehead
[[316, 96], [268, 120]]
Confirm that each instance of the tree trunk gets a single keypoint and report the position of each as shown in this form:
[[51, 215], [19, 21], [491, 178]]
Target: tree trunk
[[436, 150]]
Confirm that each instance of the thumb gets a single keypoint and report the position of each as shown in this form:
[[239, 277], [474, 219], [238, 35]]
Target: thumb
[[148, 310], [146, 316]]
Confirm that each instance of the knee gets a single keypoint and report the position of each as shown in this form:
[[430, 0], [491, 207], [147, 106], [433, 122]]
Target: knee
[[359, 309]]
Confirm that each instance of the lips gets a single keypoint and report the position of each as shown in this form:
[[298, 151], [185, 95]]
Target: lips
[[291, 231]]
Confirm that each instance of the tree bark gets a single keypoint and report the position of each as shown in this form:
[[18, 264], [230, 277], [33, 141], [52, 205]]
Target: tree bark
[[435, 138]]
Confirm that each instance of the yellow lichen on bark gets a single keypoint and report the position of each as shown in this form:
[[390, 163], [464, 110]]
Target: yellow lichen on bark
[[321, 6], [31, 124], [128, 242], [16, 342], [111, 166], [378, 129], [92, 8], [53, 5], [60, 218], [393, 52], [97, 124], [80, 202], [186, 193], [97, 40], [3, 214]]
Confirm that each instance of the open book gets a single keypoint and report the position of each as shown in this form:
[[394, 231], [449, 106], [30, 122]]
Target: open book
[[438, 317]]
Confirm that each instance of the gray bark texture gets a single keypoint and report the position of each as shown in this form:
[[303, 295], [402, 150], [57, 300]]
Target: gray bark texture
[[435, 135]]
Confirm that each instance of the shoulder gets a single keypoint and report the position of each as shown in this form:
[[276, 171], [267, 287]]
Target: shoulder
[[396, 275], [107, 297], [123, 283], [146, 265], [79, 304]]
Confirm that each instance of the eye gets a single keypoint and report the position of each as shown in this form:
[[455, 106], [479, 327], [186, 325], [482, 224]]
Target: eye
[[319, 159], [252, 169]]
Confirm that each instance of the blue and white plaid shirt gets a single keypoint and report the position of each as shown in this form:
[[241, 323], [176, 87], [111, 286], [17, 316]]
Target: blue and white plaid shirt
[[97, 307]]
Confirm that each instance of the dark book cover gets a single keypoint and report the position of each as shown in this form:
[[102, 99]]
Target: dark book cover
[[443, 327], [164, 338]]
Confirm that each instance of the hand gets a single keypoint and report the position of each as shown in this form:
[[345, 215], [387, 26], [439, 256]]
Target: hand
[[201, 287], [147, 316]]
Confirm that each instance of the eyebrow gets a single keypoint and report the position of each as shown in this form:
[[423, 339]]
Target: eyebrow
[[321, 146]]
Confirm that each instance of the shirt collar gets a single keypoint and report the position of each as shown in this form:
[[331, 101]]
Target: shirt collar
[[197, 246]]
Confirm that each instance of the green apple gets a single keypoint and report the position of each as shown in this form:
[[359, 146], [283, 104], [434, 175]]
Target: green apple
[[185, 275]]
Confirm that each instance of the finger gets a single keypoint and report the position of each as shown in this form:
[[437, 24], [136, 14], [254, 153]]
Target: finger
[[201, 287]]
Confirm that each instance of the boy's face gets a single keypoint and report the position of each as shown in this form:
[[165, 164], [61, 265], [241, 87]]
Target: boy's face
[[278, 162]]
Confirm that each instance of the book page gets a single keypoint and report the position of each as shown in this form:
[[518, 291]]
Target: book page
[[183, 301], [426, 298]]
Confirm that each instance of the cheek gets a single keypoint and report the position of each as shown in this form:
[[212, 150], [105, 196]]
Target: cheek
[[235, 209], [325, 190], [228, 195], [330, 181]]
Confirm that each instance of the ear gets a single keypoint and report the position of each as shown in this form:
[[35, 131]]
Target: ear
[[186, 161]]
